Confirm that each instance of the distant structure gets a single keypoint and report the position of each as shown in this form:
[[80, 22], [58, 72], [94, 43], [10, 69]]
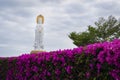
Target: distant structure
[[38, 43]]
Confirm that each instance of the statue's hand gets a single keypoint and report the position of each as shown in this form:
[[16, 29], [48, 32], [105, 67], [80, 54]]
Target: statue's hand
[[40, 30]]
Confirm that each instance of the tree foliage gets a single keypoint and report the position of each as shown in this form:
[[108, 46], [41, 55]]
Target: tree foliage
[[104, 30]]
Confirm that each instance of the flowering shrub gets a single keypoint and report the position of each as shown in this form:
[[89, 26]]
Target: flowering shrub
[[99, 61]]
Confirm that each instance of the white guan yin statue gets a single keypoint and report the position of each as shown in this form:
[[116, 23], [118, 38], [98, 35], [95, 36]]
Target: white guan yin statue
[[38, 44]]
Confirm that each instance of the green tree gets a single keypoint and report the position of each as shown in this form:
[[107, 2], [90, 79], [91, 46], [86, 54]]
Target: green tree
[[104, 30]]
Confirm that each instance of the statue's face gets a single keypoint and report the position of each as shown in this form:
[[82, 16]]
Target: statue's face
[[39, 20]]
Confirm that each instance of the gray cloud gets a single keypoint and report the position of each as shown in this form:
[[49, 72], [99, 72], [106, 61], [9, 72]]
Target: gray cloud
[[11, 4], [75, 8], [106, 8]]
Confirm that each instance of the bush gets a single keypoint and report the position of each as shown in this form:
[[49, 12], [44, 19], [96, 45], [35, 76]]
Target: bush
[[99, 61]]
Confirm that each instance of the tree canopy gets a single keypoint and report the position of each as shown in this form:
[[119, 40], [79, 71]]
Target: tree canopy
[[104, 30]]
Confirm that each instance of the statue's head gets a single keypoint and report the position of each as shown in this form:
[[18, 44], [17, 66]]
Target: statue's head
[[40, 19]]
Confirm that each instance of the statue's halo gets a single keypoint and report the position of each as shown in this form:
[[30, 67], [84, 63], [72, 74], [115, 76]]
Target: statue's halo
[[40, 16]]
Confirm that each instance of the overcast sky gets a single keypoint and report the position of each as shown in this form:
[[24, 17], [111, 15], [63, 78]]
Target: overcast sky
[[18, 22]]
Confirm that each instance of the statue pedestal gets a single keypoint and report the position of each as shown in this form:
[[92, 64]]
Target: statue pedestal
[[36, 51]]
